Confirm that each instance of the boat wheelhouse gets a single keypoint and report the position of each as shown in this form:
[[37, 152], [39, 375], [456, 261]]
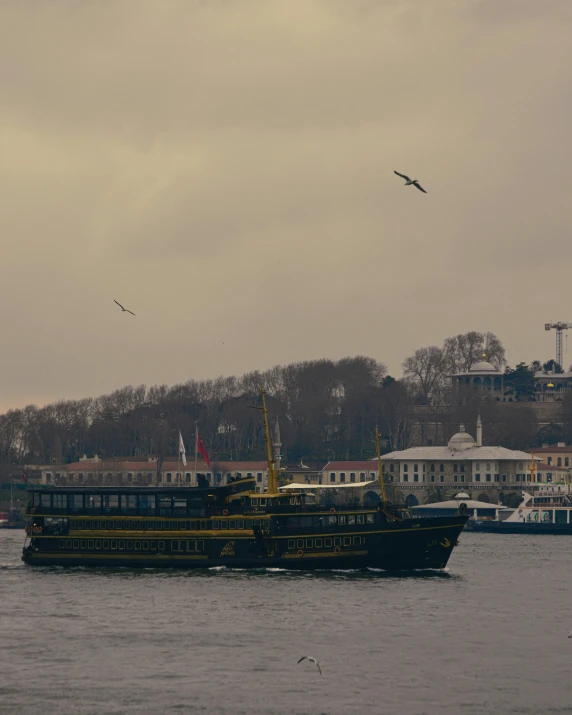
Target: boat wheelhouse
[[230, 525]]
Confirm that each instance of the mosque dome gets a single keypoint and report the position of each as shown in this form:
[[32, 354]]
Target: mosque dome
[[483, 366], [461, 440]]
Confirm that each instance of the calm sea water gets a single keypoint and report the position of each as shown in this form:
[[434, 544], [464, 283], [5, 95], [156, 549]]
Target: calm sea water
[[488, 636]]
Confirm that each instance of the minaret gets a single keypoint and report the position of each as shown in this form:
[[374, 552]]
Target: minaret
[[479, 431], [277, 446]]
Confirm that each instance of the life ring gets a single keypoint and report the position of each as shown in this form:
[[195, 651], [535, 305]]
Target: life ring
[[300, 552], [332, 510], [225, 512], [337, 550]]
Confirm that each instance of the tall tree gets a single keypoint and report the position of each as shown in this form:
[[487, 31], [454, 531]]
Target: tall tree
[[519, 382], [425, 370]]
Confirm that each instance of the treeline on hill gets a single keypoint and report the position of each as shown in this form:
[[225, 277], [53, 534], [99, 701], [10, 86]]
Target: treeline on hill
[[326, 410]]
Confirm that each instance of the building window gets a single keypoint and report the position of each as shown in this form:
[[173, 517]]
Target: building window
[[442, 478], [405, 478], [332, 477], [432, 477], [415, 468], [503, 478], [488, 477], [391, 468], [489, 465], [405, 467], [566, 462], [519, 466], [497, 477], [352, 476], [477, 477], [455, 478], [169, 477], [549, 476], [342, 476], [559, 462], [259, 476], [48, 477], [362, 476], [462, 477], [432, 467], [187, 477], [549, 460], [248, 474], [415, 477], [441, 468], [455, 467], [462, 467]]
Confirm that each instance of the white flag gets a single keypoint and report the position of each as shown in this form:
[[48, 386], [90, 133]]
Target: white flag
[[182, 449]]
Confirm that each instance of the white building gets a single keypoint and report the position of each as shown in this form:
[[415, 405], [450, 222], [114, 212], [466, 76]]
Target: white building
[[464, 460]]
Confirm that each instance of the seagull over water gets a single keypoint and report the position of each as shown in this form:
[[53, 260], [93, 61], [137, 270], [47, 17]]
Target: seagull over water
[[410, 182], [122, 308], [312, 660]]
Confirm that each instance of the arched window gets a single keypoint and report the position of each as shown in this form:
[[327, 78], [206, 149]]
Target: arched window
[[391, 466], [415, 468], [566, 462], [559, 462], [405, 467], [441, 467]]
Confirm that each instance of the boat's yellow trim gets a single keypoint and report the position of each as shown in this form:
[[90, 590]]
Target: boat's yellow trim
[[132, 557]]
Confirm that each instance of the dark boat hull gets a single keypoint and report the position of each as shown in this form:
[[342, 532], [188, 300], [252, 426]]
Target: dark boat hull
[[502, 527], [413, 544]]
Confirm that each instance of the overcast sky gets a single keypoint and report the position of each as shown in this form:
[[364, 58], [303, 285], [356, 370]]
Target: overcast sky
[[225, 170]]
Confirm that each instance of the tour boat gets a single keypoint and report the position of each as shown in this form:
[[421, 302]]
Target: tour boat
[[231, 525], [547, 511]]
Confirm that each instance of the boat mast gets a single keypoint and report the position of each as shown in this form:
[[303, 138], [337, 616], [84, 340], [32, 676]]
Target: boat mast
[[380, 467], [272, 477]]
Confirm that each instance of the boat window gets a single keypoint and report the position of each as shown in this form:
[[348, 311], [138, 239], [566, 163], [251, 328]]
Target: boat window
[[129, 546], [337, 541], [215, 524], [357, 540], [60, 501], [90, 543], [347, 540], [174, 545], [232, 524], [111, 501], [137, 546], [62, 543], [87, 524], [332, 519], [291, 544], [147, 503], [224, 523], [183, 546], [342, 519], [360, 518], [318, 543], [263, 501], [83, 543], [174, 525], [254, 501], [106, 544], [369, 518], [145, 545], [113, 544], [200, 545], [300, 543], [191, 545], [46, 500], [351, 519], [76, 543], [35, 499], [240, 523], [153, 545], [308, 543]]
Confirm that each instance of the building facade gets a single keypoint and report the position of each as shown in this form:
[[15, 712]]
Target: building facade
[[464, 464]]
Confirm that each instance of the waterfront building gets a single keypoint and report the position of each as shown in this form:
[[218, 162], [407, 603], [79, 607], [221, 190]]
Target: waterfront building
[[464, 463], [349, 472], [96, 471]]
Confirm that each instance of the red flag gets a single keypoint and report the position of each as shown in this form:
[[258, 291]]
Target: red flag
[[201, 449], [23, 477]]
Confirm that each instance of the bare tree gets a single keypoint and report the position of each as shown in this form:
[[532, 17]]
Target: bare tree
[[462, 351], [425, 370]]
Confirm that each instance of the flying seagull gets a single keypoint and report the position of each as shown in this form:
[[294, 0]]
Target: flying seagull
[[410, 182], [122, 308], [312, 660], [570, 634]]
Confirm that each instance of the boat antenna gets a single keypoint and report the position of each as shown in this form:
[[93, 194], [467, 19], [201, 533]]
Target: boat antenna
[[380, 467], [272, 477]]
